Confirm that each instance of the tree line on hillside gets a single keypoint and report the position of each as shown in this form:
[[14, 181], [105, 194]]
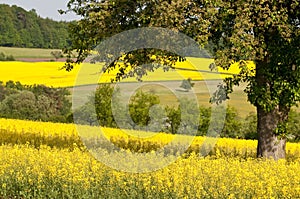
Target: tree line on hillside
[[21, 28]]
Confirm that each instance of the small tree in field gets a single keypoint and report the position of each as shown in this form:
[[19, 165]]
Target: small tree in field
[[103, 104], [266, 32], [187, 84]]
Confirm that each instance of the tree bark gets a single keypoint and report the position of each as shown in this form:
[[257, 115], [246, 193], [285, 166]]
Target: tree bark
[[271, 145]]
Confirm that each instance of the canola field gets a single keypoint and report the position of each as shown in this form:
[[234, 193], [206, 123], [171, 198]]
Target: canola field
[[52, 160], [51, 74], [47, 160]]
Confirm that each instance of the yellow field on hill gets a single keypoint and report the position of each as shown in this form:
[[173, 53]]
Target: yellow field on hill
[[50, 74]]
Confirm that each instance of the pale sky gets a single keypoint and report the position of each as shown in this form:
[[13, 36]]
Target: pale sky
[[44, 8]]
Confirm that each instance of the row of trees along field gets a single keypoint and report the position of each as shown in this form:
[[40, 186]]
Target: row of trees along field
[[41, 103], [144, 112], [264, 31], [21, 28]]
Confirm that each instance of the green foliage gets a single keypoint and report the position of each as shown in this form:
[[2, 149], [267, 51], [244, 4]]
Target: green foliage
[[103, 108], [98, 110], [187, 84], [3, 92], [250, 127], [20, 105], [233, 125], [21, 28], [103, 104], [189, 116], [124, 16], [293, 126], [86, 114], [4, 57], [173, 119], [35, 102], [204, 120], [143, 107]]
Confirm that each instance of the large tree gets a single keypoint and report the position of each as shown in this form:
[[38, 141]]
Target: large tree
[[266, 32]]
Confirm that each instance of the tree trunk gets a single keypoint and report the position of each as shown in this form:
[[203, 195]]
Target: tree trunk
[[271, 145]]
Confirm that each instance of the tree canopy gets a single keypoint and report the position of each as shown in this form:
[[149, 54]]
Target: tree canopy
[[34, 102], [266, 32]]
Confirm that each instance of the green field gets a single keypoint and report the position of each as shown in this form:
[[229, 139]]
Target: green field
[[27, 52], [169, 91]]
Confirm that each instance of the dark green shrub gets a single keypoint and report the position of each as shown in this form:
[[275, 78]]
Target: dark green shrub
[[4, 57], [35, 102]]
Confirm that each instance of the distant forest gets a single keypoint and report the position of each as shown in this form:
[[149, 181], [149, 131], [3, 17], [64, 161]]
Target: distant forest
[[21, 28]]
